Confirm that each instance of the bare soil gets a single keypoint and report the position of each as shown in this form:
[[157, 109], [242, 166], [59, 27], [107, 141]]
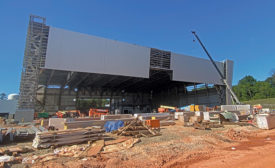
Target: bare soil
[[179, 146]]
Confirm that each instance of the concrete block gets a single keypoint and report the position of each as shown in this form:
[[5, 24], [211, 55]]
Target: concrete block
[[24, 115], [194, 119], [206, 116], [151, 114], [198, 113], [57, 123], [181, 118], [89, 123], [86, 118], [242, 109], [118, 116], [167, 117], [177, 114], [265, 121]]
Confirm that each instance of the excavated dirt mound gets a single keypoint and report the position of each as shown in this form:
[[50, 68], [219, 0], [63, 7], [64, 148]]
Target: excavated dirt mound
[[238, 135]]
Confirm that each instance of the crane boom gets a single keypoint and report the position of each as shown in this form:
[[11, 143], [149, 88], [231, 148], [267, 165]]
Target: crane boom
[[235, 98]]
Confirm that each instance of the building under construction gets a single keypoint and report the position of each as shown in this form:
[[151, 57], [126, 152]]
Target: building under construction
[[61, 68]]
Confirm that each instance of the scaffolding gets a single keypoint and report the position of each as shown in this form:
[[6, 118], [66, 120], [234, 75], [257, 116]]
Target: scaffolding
[[34, 59]]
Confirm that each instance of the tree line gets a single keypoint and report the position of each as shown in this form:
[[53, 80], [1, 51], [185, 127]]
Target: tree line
[[248, 88], [3, 96]]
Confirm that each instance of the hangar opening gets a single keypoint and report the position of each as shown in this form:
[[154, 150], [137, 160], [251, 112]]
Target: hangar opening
[[64, 70]]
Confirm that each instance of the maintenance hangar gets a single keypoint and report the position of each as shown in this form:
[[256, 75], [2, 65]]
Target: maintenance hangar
[[62, 67]]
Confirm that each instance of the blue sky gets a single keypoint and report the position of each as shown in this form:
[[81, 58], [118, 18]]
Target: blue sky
[[240, 30]]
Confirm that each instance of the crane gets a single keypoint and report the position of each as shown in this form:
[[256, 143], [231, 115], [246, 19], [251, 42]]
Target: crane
[[235, 98]]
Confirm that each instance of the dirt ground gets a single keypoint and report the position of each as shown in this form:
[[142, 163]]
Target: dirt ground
[[179, 146]]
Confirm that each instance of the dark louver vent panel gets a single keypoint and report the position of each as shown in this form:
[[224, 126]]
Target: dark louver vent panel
[[160, 59]]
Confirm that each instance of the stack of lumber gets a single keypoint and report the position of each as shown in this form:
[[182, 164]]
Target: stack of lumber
[[65, 137], [59, 123], [136, 128], [89, 123]]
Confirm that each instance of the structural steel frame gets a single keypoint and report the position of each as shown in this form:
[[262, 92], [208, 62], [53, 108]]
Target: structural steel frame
[[34, 58]]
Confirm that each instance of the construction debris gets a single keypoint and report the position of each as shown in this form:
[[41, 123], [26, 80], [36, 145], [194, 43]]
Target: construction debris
[[94, 149], [71, 151], [229, 116], [121, 146], [19, 133], [206, 125], [65, 137], [12, 150], [136, 128], [42, 158], [82, 151]]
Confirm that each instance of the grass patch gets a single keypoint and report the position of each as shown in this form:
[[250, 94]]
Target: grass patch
[[266, 103]]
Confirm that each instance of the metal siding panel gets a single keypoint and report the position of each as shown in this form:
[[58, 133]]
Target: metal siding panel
[[229, 71], [73, 51], [192, 69], [8, 106], [229, 76]]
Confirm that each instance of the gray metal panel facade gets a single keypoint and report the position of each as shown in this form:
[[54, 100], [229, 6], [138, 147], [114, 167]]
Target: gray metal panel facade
[[73, 51], [192, 69], [8, 106], [229, 76]]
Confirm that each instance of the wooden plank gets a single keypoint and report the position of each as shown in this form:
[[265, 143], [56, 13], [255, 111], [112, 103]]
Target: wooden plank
[[71, 134], [71, 130], [77, 141], [94, 149], [68, 138]]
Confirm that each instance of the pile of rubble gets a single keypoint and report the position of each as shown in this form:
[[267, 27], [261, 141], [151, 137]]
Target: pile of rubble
[[237, 135], [84, 151], [11, 155]]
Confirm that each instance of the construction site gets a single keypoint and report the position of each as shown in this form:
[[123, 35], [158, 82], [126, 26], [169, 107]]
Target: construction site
[[88, 101]]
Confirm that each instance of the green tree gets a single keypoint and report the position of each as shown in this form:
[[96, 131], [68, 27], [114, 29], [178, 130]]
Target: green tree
[[249, 88], [263, 90], [245, 89], [3, 96], [271, 80]]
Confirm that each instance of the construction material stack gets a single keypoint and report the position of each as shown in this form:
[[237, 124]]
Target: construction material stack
[[136, 128], [66, 137]]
